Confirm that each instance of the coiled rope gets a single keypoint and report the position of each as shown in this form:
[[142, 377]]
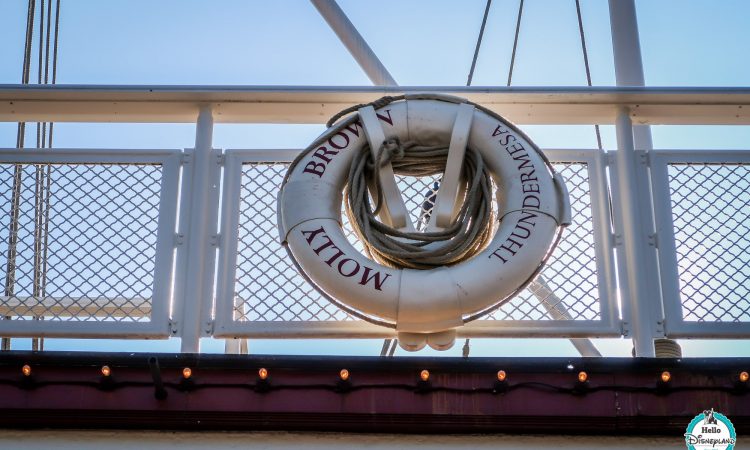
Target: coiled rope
[[470, 232], [379, 104], [473, 226]]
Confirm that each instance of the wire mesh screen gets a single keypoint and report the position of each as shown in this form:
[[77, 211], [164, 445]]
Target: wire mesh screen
[[711, 215], [269, 288], [78, 241], [567, 288]]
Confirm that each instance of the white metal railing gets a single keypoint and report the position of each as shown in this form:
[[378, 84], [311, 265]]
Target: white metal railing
[[640, 269], [703, 234], [260, 293], [87, 241]]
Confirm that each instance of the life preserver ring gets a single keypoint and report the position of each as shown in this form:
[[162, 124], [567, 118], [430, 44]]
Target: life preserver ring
[[532, 206]]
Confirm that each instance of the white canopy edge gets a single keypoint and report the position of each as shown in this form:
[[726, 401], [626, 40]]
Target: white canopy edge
[[315, 104]]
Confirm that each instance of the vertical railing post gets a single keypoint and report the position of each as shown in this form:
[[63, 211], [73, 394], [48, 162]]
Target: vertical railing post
[[636, 291], [628, 60], [199, 251]]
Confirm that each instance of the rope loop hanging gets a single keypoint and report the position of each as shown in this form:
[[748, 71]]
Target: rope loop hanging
[[476, 251], [469, 233]]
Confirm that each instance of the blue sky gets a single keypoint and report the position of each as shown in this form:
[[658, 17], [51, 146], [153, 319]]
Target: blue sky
[[684, 43], [233, 42]]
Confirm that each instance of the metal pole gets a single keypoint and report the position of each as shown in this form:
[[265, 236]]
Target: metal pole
[[557, 310], [633, 238], [629, 72], [626, 48], [199, 255], [354, 42]]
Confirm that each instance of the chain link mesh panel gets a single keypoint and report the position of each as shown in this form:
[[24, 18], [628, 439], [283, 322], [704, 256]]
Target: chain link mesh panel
[[78, 241], [711, 215], [269, 288], [567, 288]]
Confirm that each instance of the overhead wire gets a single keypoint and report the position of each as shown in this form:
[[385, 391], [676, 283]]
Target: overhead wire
[[46, 63], [48, 178], [479, 43], [586, 63], [39, 176], [10, 271], [515, 43]]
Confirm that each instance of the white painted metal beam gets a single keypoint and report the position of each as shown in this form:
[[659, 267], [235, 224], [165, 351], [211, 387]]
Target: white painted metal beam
[[626, 47], [200, 258], [310, 104], [636, 289], [354, 42]]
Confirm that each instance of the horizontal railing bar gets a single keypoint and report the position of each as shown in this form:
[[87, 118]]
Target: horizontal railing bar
[[315, 104], [282, 155], [365, 330], [86, 155], [73, 306], [88, 329]]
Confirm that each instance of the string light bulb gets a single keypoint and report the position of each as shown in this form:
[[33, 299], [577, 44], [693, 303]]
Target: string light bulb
[[344, 374], [501, 375], [666, 376], [424, 375], [744, 376], [187, 372], [26, 370], [106, 371], [582, 377], [262, 373]]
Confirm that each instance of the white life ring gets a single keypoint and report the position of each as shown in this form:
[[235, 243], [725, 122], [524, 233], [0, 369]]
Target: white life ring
[[532, 206]]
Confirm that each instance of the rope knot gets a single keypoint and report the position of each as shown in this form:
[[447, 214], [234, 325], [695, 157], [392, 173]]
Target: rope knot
[[390, 150]]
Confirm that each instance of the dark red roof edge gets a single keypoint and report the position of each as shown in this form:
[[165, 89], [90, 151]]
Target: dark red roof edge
[[539, 395]]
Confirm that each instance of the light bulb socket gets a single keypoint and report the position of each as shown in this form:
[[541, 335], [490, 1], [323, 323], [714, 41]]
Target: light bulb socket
[[741, 383], [664, 383], [500, 387], [424, 385], [344, 384], [263, 381], [187, 380], [27, 378], [106, 381], [186, 384], [581, 387]]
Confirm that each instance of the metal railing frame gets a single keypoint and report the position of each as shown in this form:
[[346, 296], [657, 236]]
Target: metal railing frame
[[226, 326], [161, 300], [201, 168], [664, 238]]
